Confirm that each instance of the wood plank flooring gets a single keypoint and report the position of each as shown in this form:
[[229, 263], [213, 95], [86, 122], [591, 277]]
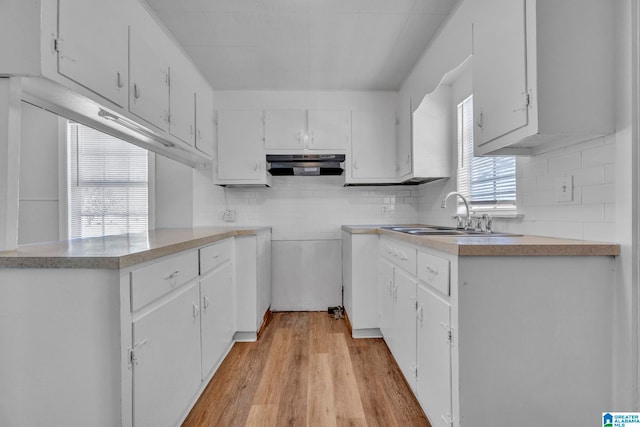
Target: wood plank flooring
[[306, 370]]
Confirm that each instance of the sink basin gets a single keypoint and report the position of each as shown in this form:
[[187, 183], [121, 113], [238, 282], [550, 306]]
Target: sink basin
[[445, 231]]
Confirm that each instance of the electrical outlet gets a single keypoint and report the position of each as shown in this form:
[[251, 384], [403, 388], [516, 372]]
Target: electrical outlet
[[388, 210], [564, 189], [229, 215]]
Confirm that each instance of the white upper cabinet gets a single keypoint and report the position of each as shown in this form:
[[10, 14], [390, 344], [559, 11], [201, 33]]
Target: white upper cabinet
[[205, 128], [241, 154], [372, 158], [149, 78], [542, 74], [93, 52], [329, 130], [296, 131], [285, 130], [182, 104]]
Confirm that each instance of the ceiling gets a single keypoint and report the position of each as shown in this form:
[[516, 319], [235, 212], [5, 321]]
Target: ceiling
[[304, 44]]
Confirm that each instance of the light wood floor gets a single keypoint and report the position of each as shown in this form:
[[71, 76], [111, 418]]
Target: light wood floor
[[306, 370]]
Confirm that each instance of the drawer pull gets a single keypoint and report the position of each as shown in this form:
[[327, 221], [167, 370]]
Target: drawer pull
[[432, 272], [172, 275]]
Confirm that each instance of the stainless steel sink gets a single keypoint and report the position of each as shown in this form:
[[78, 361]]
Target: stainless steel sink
[[445, 231]]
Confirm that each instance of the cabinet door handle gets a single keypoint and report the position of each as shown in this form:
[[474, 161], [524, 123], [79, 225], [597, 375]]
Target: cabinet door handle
[[205, 303], [172, 275], [191, 131], [256, 166], [355, 165], [481, 120], [136, 91], [195, 310], [419, 313], [433, 273], [199, 134], [119, 81]]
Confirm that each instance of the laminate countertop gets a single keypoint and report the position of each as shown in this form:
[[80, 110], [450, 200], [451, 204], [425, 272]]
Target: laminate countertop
[[495, 246], [120, 251]]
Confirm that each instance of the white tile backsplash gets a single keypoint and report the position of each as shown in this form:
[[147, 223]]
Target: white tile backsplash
[[307, 208], [311, 208]]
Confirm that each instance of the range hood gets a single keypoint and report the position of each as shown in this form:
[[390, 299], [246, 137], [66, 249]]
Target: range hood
[[305, 164]]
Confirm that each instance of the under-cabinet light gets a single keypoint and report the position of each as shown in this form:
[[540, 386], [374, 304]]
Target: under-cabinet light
[[131, 125]]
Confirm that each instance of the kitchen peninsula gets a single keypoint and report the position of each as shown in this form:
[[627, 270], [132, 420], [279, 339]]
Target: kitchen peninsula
[[126, 330]]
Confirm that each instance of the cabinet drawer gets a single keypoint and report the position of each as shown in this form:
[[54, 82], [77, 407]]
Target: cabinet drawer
[[215, 255], [151, 282], [434, 271], [404, 256]]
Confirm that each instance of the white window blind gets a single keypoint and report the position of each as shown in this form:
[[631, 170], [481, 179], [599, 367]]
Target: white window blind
[[488, 183], [107, 184]]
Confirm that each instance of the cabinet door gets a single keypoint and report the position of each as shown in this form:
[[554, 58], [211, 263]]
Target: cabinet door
[[329, 130], [218, 314], [204, 120], [404, 349], [182, 104], [166, 374], [499, 71], [373, 145], [241, 153], [93, 46], [149, 74], [386, 296], [434, 357], [285, 130]]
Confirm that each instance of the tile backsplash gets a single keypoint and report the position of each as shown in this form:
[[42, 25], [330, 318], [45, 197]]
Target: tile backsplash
[[306, 208], [312, 208]]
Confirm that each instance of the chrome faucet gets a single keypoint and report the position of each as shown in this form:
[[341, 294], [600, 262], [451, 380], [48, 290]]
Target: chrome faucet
[[466, 205]]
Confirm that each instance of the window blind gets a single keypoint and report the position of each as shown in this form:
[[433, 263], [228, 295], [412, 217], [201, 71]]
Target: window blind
[[107, 184], [486, 182]]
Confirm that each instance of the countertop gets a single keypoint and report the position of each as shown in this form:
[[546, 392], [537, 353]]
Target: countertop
[[496, 246], [116, 252]]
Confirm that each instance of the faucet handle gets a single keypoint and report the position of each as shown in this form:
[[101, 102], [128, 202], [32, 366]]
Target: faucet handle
[[487, 221]]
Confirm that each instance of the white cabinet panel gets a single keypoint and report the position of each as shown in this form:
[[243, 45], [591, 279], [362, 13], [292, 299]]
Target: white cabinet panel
[[434, 357], [218, 314], [373, 147], [500, 69], [166, 371], [386, 298], [149, 74], [205, 128], [182, 104], [93, 46], [285, 129], [404, 349], [241, 154], [329, 130]]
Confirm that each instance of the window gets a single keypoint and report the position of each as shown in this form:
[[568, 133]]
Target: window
[[107, 184], [488, 183]]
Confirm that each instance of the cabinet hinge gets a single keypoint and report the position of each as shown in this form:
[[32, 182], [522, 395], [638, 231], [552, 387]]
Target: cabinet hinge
[[57, 44], [133, 352], [527, 100], [450, 335]]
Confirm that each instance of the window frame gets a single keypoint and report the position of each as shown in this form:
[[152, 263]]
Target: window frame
[[63, 178]]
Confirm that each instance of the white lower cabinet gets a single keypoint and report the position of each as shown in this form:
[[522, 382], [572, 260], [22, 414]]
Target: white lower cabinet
[[166, 359], [434, 356], [404, 349], [218, 314], [386, 298], [477, 336]]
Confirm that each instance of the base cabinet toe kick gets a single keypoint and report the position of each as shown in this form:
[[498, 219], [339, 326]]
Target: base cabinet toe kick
[[134, 346]]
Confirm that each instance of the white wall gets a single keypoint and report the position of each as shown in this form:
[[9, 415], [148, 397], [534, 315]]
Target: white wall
[[38, 212], [606, 196]]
